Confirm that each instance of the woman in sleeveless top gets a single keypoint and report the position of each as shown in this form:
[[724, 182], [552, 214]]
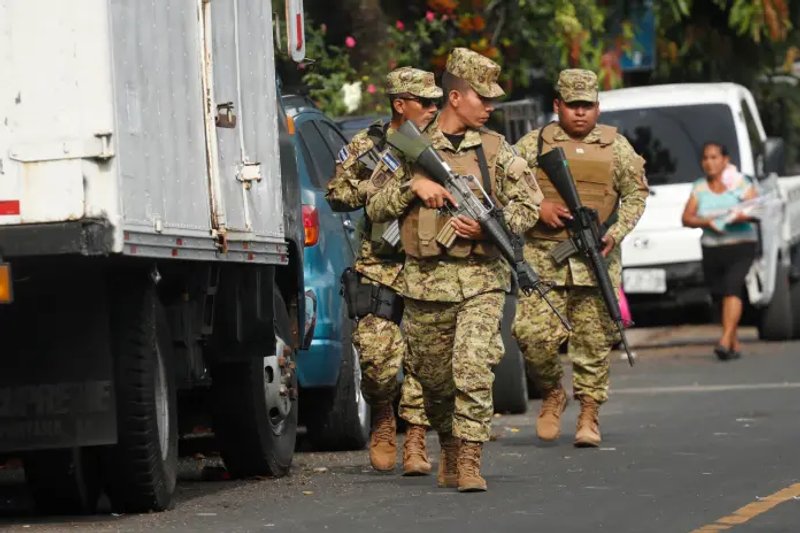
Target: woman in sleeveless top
[[728, 241]]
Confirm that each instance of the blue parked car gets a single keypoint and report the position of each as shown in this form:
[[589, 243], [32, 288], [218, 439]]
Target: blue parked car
[[332, 408]]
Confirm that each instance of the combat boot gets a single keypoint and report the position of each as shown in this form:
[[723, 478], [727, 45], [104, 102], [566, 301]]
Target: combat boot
[[383, 441], [415, 456], [587, 434], [548, 425], [447, 478], [469, 467]]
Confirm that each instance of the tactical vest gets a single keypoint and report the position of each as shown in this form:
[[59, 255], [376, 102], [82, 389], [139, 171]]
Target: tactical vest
[[420, 226], [592, 166]]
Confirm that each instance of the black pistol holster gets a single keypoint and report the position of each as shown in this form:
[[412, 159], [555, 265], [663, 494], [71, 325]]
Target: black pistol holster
[[366, 298]]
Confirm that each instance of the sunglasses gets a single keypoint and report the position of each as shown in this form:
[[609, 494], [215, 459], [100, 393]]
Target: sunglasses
[[424, 102]]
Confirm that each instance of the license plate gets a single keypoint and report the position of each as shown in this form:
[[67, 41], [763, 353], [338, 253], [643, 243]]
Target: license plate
[[644, 280]]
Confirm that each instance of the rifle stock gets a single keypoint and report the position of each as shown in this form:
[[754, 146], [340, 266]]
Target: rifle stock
[[585, 233]]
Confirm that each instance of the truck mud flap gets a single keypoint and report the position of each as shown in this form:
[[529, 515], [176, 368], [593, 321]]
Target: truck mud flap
[[56, 388]]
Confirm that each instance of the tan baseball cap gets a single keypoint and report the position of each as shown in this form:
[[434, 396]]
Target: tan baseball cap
[[414, 81], [577, 85], [479, 71]]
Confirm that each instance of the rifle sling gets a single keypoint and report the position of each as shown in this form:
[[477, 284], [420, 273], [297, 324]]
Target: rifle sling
[[484, 166]]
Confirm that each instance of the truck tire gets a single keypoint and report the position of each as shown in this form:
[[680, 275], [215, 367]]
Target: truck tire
[[142, 468], [255, 406], [775, 322], [510, 389], [65, 481], [339, 417]]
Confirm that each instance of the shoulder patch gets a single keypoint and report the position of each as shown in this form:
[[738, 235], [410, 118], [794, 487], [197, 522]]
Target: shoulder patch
[[392, 164], [379, 179], [343, 154], [517, 168]]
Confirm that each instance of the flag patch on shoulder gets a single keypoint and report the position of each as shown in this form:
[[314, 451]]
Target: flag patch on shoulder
[[342, 155], [391, 162]]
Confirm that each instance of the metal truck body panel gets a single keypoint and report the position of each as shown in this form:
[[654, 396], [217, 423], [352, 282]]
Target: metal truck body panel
[[111, 113]]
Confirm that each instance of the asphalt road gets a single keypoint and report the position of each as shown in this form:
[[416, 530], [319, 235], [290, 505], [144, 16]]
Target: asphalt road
[[690, 444]]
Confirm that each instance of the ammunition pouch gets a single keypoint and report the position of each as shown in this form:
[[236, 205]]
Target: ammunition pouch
[[427, 233], [363, 299]]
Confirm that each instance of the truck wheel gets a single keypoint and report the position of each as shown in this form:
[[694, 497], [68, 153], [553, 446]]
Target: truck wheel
[[775, 323], [142, 467], [510, 390], [255, 404], [65, 481], [339, 417]]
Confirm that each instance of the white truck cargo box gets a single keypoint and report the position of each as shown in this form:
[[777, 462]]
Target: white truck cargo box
[[140, 139]]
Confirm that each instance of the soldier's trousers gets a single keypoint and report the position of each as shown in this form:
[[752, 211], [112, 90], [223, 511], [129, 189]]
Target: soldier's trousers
[[540, 333], [382, 350], [452, 350]]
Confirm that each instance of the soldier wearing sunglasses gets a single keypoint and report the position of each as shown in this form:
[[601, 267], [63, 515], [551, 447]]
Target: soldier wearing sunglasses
[[372, 287]]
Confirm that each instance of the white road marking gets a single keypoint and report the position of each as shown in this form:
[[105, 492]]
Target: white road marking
[[707, 388]]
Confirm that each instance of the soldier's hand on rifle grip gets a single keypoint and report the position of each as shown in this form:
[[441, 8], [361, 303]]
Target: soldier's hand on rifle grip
[[552, 214], [467, 228], [608, 245], [431, 193]]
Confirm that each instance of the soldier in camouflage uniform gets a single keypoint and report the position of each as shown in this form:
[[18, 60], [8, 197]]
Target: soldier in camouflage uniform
[[413, 95], [609, 177], [454, 296]]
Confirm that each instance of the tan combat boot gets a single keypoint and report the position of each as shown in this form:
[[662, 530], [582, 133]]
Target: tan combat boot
[[548, 425], [587, 434], [447, 478], [415, 457], [383, 441], [469, 467]]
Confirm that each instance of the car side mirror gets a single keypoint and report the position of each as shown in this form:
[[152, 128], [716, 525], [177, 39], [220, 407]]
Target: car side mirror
[[774, 156]]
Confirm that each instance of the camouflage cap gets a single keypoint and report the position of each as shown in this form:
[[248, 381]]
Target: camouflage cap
[[412, 80], [479, 71], [577, 85]]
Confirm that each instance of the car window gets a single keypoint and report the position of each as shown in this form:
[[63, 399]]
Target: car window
[[671, 138], [335, 139], [322, 166]]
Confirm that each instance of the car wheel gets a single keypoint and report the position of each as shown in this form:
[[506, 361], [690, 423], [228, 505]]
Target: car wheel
[[510, 389], [339, 417]]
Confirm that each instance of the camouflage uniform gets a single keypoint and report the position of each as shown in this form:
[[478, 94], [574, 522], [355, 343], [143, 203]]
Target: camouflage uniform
[[380, 343], [454, 305], [536, 327]]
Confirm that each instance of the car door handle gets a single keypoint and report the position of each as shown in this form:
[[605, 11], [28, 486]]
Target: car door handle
[[348, 225]]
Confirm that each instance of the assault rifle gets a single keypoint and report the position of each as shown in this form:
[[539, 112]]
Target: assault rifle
[[389, 232], [585, 234], [410, 141]]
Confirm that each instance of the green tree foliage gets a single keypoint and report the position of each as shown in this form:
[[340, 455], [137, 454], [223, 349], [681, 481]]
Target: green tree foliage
[[745, 41], [751, 42]]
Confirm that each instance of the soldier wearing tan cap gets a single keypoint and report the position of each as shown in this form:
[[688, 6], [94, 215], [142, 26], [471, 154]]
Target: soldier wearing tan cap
[[610, 178], [454, 295], [377, 277]]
